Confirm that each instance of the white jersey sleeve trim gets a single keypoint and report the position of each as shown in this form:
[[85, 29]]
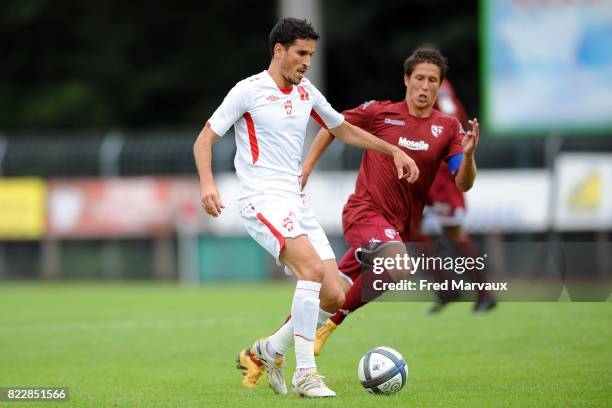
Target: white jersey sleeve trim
[[322, 109]]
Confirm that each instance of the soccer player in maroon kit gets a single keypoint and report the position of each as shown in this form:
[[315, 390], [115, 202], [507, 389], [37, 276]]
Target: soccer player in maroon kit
[[383, 209], [446, 203]]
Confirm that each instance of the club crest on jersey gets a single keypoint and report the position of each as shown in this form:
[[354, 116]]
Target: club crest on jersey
[[390, 232], [436, 130], [412, 144], [288, 108], [288, 223]]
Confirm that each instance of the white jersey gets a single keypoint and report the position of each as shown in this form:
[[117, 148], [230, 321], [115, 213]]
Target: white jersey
[[270, 126]]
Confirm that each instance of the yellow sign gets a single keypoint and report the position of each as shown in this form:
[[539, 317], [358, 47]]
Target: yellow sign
[[22, 208], [587, 194]]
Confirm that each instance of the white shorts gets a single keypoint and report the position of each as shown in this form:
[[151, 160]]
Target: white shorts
[[269, 219]]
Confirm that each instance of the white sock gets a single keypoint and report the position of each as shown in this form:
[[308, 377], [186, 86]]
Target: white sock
[[281, 340], [304, 315], [323, 316]]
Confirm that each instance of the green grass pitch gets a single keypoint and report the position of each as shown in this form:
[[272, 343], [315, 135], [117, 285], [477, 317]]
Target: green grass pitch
[[163, 345]]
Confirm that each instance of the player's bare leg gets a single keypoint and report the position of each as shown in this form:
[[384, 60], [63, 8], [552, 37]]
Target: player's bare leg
[[358, 295], [301, 257], [332, 291], [332, 298]]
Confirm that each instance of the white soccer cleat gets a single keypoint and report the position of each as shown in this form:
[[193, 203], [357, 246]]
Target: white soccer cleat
[[310, 384], [274, 367]]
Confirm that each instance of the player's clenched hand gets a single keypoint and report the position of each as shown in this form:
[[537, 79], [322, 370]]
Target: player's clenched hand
[[403, 161], [211, 200], [470, 140]]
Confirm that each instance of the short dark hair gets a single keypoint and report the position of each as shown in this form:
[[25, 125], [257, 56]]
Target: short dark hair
[[286, 31], [429, 55]]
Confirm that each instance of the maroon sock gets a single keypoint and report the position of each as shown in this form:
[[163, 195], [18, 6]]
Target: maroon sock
[[352, 301], [360, 294]]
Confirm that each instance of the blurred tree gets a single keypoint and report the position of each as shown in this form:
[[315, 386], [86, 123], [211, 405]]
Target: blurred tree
[[72, 63], [367, 43]]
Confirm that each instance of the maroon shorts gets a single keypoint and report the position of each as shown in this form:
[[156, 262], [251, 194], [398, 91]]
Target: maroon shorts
[[445, 200], [371, 229]]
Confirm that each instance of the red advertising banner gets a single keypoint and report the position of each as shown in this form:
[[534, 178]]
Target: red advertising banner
[[120, 207]]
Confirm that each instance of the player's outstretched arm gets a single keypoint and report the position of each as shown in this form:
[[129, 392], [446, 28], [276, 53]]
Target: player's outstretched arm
[[356, 136], [467, 171], [202, 151], [320, 144]]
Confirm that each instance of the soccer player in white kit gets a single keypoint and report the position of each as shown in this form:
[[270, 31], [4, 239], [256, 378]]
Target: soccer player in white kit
[[269, 112]]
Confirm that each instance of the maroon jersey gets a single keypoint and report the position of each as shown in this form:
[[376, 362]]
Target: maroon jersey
[[427, 141], [444, 193]]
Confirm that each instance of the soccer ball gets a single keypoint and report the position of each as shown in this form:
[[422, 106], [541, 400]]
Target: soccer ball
[[382, 370]]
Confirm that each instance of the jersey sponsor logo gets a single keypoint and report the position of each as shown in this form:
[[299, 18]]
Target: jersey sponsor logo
[[395, 122], [436, 130], [390, 232], [272, 98], [366, 104], [288, 108], [412, 144], [304, 96]]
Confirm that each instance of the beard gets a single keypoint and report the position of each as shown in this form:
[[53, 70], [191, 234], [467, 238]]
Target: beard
[[291, 75], [292, 79]]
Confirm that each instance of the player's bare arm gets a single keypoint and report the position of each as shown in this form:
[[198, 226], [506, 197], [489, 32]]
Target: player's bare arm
[[323, 140], [467, 171], [210, 200], [358, 137]]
